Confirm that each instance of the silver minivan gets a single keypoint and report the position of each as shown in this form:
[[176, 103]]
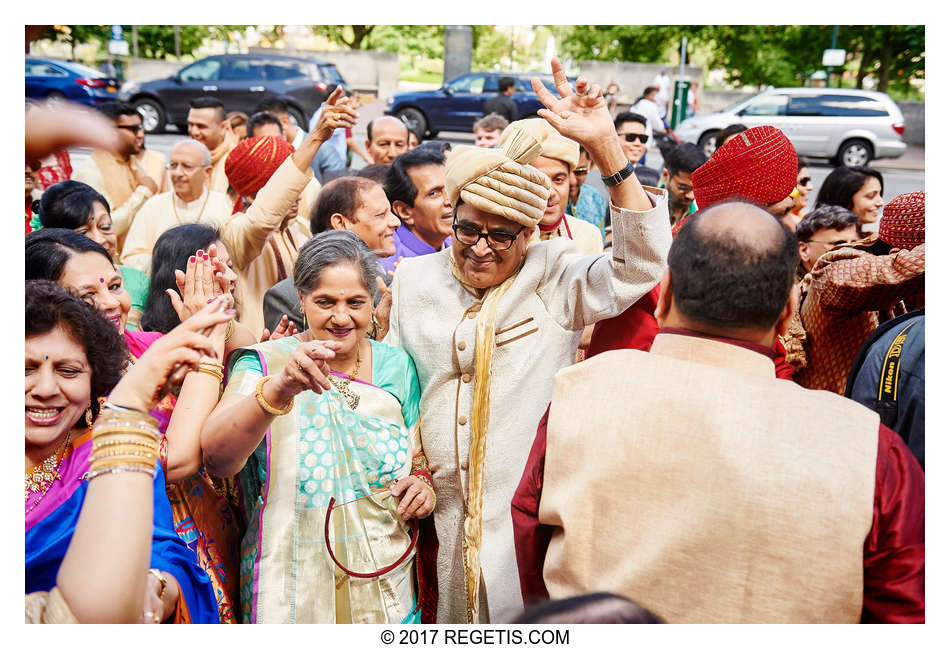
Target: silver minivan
[[849, 127]]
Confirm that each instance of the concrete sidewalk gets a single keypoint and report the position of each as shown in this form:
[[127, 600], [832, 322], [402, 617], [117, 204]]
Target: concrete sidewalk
[[912, 160]]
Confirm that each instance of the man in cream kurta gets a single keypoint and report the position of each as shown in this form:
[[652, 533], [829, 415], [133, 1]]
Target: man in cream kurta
[[535, 325], [189, 202]]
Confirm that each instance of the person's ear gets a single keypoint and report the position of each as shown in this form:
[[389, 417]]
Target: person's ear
[[804, 253], [665, 302], [404, 212], [666, 176], [366, 145], [337, 221], [788, 311], [208, 170]]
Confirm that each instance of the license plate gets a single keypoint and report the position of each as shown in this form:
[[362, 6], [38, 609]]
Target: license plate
[[110, 88]]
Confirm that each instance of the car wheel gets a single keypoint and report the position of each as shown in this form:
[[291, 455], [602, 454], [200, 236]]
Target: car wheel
[[297, 118], [854, 153], [55, 98], [153, 115], [708, 143], [414, 119]]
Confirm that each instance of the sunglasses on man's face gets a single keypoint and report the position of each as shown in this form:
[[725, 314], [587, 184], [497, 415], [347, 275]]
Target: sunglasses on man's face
[[135, 128], [804, 181], [632, 137]]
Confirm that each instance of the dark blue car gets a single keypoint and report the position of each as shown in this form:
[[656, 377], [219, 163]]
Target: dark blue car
[[457, 105], [62, 80]]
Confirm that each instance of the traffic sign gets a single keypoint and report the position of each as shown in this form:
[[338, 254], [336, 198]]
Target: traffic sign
[[119, 48], [117, 32]]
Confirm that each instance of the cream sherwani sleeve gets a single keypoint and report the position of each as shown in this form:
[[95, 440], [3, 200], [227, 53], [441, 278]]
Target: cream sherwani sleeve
[[579, 291], [122, 215], [136, 251], [246, 233]]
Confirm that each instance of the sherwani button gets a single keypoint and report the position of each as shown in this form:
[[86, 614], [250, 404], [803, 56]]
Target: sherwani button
[[464, 465], [462, 421], [461, 346], [466, 378]]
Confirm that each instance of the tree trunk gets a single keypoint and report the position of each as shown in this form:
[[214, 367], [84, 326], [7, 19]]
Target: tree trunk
[[359, 33], [863, 68], [886, 55]]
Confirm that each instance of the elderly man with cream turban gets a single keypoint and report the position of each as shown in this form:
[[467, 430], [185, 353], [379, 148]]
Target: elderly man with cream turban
[[264, 233], [490, 321]]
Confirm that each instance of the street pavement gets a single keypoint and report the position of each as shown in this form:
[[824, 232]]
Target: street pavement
[[901, 175]]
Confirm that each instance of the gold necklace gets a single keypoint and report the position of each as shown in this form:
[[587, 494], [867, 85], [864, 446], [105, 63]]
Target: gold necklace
[[352, 399], [41, 477], [175, 207]]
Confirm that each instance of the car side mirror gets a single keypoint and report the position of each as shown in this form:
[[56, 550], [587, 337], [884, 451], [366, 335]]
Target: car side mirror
[[177, 79], [446, 90]]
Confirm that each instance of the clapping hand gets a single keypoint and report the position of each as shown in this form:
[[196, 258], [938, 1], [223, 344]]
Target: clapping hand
[[284, 328], [581, 116]]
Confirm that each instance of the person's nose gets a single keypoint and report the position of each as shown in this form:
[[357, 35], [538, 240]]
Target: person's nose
[[481, 248], [393, 221], [44, 384]]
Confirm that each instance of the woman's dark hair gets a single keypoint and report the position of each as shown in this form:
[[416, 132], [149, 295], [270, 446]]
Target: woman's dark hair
[[592, 608], [732, 129], [68, 204], [48, 250], [171, 253], [48, 306], [802, 163], [843, 183]]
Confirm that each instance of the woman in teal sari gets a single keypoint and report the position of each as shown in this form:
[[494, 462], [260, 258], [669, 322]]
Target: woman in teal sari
[[322, 429]]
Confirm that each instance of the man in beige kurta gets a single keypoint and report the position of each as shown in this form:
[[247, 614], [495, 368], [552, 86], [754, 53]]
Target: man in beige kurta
[[130, 178], [207, 124], [530, 304], [190, 202]]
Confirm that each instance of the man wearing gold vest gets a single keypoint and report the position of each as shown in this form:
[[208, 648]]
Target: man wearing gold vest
[[129, 178], [489, 321], [716, 503]]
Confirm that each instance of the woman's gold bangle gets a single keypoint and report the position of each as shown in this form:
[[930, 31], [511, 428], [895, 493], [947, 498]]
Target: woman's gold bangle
[[266, 407]]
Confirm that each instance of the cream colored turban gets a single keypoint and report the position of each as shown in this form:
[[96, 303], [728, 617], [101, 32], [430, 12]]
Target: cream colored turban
[[500, 181], [553, 144]]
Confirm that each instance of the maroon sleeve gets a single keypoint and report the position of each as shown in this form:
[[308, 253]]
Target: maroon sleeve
[[894, 548], [782, 369], [635, 328], [531, 537]]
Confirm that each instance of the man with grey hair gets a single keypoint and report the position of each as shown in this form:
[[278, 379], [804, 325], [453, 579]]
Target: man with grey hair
[[190, 201]]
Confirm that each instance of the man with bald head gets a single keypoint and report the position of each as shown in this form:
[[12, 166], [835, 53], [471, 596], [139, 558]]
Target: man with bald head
[[387, 138], [208, 124], [713, 502], [190, 201]]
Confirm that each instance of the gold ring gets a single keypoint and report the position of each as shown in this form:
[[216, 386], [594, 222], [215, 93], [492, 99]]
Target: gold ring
[[299, 366]]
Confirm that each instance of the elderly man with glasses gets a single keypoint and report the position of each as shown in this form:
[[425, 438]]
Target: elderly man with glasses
[[129, 178], [490, 321], [191, 201]]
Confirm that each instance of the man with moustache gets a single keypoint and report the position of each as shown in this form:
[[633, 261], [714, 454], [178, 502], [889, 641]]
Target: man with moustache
[[208, 124]]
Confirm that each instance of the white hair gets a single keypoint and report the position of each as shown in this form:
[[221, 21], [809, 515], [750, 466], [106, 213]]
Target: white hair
[[205, 153]]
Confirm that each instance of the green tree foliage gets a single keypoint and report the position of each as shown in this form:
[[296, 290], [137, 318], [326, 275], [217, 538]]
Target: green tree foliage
[[352, 36], [411, 41]]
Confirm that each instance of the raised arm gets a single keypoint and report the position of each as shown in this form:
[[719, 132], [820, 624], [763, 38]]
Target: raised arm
[[868, 282]]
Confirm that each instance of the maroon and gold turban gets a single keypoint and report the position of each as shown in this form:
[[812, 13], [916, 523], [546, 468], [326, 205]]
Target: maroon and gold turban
[[902, 224], [252, 162], [758, 165]]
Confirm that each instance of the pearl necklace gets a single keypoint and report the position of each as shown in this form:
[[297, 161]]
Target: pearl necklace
[[40, 478]]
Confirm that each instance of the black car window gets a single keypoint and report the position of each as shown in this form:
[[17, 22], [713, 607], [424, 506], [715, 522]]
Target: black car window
[[206, 70], [36, 69], [767, 106], [280, 70], [474, 83], [848, 106], [330, 72], [523, 85], [245, 70], [491, 84]]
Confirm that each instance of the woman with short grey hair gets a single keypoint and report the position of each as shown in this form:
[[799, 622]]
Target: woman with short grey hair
[[323, 429]]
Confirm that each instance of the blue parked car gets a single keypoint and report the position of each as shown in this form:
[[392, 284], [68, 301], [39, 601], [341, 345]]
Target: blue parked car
[[457, 105], [62, 80]]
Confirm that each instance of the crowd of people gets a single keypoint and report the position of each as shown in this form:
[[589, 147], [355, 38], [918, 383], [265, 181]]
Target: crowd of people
[[460, 384]]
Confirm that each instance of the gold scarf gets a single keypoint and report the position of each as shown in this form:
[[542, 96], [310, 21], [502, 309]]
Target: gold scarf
[[117, 176], [228, 143], [484, 351]]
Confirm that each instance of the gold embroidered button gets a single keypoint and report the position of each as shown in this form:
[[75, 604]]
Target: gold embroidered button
[[470, 315], [462, 421], [461, 346], [466, 378], [464, 465]]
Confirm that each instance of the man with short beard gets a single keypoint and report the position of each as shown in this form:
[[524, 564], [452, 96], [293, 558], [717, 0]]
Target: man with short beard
[[208, 124], [678, 170], [130, 178]]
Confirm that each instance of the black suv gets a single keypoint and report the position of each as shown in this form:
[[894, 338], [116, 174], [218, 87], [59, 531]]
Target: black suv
[[240, 82]]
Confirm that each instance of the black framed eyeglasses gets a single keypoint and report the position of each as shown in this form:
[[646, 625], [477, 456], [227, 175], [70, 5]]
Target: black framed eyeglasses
[[135, 128], [496, 239], [631, 137]]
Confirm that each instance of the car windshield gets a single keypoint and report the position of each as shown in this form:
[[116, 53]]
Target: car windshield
[[84, 70], [331, 72]]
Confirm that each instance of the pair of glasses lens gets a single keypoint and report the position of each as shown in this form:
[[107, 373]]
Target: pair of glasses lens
[[135, 128], [631, 137], [495, 240], [804, 181]]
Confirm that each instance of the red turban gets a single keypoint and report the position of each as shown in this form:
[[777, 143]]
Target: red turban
[[902, 225], [252, 162], [758, 165]]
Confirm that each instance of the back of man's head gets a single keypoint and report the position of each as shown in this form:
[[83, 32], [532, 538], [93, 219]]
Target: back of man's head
[[684, 157], [209, 102], [259, 119], [115, 109], [398, 185], [504, 83], [731, 269], [627, 116], [276, 106], [341, 196], [832, 217]]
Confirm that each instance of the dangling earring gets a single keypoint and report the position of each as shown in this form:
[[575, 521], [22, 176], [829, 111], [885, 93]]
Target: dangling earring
[[89, 417], [304, 315]]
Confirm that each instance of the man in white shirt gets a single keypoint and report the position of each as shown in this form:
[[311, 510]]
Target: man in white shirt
[[191, 201], [647, 106]]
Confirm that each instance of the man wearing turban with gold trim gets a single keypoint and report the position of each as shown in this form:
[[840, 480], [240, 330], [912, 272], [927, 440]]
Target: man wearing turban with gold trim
[[490, 321]]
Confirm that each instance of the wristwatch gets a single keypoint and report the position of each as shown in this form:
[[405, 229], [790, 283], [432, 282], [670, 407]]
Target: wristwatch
[[615, 179]]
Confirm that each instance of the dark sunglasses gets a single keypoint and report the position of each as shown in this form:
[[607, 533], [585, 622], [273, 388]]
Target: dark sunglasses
[[631, 137], [135, 128], [804, 181]]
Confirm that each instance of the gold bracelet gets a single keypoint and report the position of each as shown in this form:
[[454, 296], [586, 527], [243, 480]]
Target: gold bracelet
[[119, 469], [211, 371], [229, 331], [161, 580], [148, 463], [266, 407]]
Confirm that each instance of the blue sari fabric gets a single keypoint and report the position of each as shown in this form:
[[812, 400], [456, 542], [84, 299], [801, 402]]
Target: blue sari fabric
[[48, 540]]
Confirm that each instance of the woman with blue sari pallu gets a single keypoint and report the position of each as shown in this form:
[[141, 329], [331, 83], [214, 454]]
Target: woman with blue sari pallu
[[322, 428], [74, 356]]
